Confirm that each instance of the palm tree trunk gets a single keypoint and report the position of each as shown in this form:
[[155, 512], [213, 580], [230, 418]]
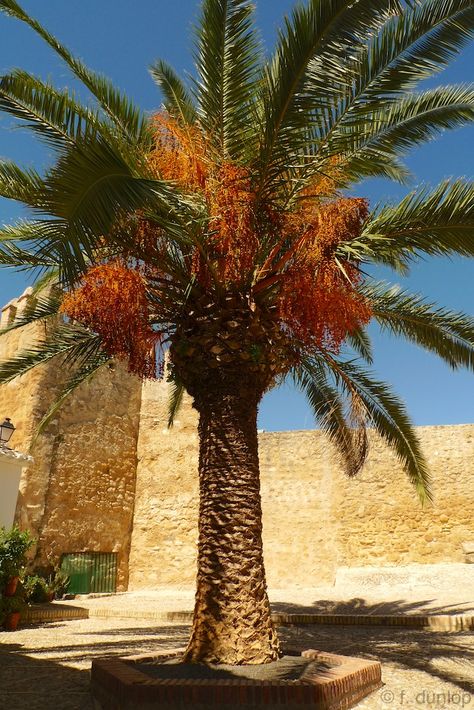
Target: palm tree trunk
[[232, 622]]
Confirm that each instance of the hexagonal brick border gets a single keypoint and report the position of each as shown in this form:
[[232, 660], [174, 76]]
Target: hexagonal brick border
[[116, 683]]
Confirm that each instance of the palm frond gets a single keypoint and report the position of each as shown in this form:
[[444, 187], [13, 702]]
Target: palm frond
[[177, 391], [392, 130], [177, 99], [343, 424], [91, 185], [72, 342], [24, 185], [11, 255], [317, 40], [226, 61], [435, 222], [448, 334], [39, 309], [48, 280], [49, 246], [54, 115], [387, 414], [408, 48], [126, 117], [359, 341]]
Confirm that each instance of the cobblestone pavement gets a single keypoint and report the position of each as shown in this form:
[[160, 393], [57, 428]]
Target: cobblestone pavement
[[47, 667]]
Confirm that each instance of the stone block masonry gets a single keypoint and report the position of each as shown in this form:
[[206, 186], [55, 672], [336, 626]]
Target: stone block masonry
[[315, 519], [78, 495], [109, 476]]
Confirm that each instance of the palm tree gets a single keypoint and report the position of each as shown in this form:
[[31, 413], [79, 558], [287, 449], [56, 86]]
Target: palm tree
[[220, 229]]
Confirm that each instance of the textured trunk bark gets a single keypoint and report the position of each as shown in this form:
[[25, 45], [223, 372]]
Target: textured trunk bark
[[232, 622]]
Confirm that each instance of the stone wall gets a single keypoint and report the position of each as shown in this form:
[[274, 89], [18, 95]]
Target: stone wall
[[166, 507], [90, 494], [108, 465], [23, 400], [381, 521], [78, 495], [315, 519]]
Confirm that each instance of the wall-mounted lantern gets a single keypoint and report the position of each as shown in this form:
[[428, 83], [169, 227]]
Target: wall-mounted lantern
[[6, 431]]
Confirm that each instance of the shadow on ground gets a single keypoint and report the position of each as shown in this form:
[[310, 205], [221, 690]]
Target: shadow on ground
[[29, 683], [49, 668], [42, 676], [132, 640], [448, 657], [358, 605]]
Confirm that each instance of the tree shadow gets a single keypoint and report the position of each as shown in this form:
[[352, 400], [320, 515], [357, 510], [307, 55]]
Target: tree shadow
[[40, 676], [446, 656], [358, 605], [130, 641], [28, 683]]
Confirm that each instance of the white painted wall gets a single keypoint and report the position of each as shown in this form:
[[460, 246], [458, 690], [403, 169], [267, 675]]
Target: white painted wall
[[11, 465]]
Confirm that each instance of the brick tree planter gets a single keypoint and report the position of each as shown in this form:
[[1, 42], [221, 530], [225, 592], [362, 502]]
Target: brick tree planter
[[121, 683]]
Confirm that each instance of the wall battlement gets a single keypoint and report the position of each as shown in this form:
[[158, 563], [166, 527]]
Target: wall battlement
[[16, 307]]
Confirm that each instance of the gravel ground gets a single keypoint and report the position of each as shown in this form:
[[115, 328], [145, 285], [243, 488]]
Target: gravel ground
[[47, 667]]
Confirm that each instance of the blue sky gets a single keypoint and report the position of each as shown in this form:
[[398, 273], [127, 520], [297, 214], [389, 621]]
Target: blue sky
[[121, 39]]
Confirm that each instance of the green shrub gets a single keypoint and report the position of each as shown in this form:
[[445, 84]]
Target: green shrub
[[14, 544], [56, 580], [36, 589], [10, 605]]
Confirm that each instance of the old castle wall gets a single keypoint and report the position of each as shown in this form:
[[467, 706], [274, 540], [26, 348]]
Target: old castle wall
[[315, 518], [110, 476]]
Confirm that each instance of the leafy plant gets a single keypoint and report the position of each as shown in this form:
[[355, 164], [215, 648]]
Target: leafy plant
[[44, 581], [12, 605], [36, 589], [14, 544]]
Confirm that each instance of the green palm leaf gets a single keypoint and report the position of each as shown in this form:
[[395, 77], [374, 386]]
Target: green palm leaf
[[359, 341], [47, 281], [19, 184], [318, 39], [227, 52], [405, 50], [410, 48], [92, 363], [38, 309], [392, 130], [50, 246], [387, 414], [175, 401], [72, 342], [54, 115], [177, 99], [16, 257], [448, 334], [435, 222], [90, 186], [344, 424]]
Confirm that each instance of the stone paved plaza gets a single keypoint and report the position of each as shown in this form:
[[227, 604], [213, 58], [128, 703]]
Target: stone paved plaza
[[47, 667]]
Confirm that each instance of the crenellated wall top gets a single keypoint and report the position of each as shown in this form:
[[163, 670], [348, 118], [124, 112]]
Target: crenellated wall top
[[16, 307]]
